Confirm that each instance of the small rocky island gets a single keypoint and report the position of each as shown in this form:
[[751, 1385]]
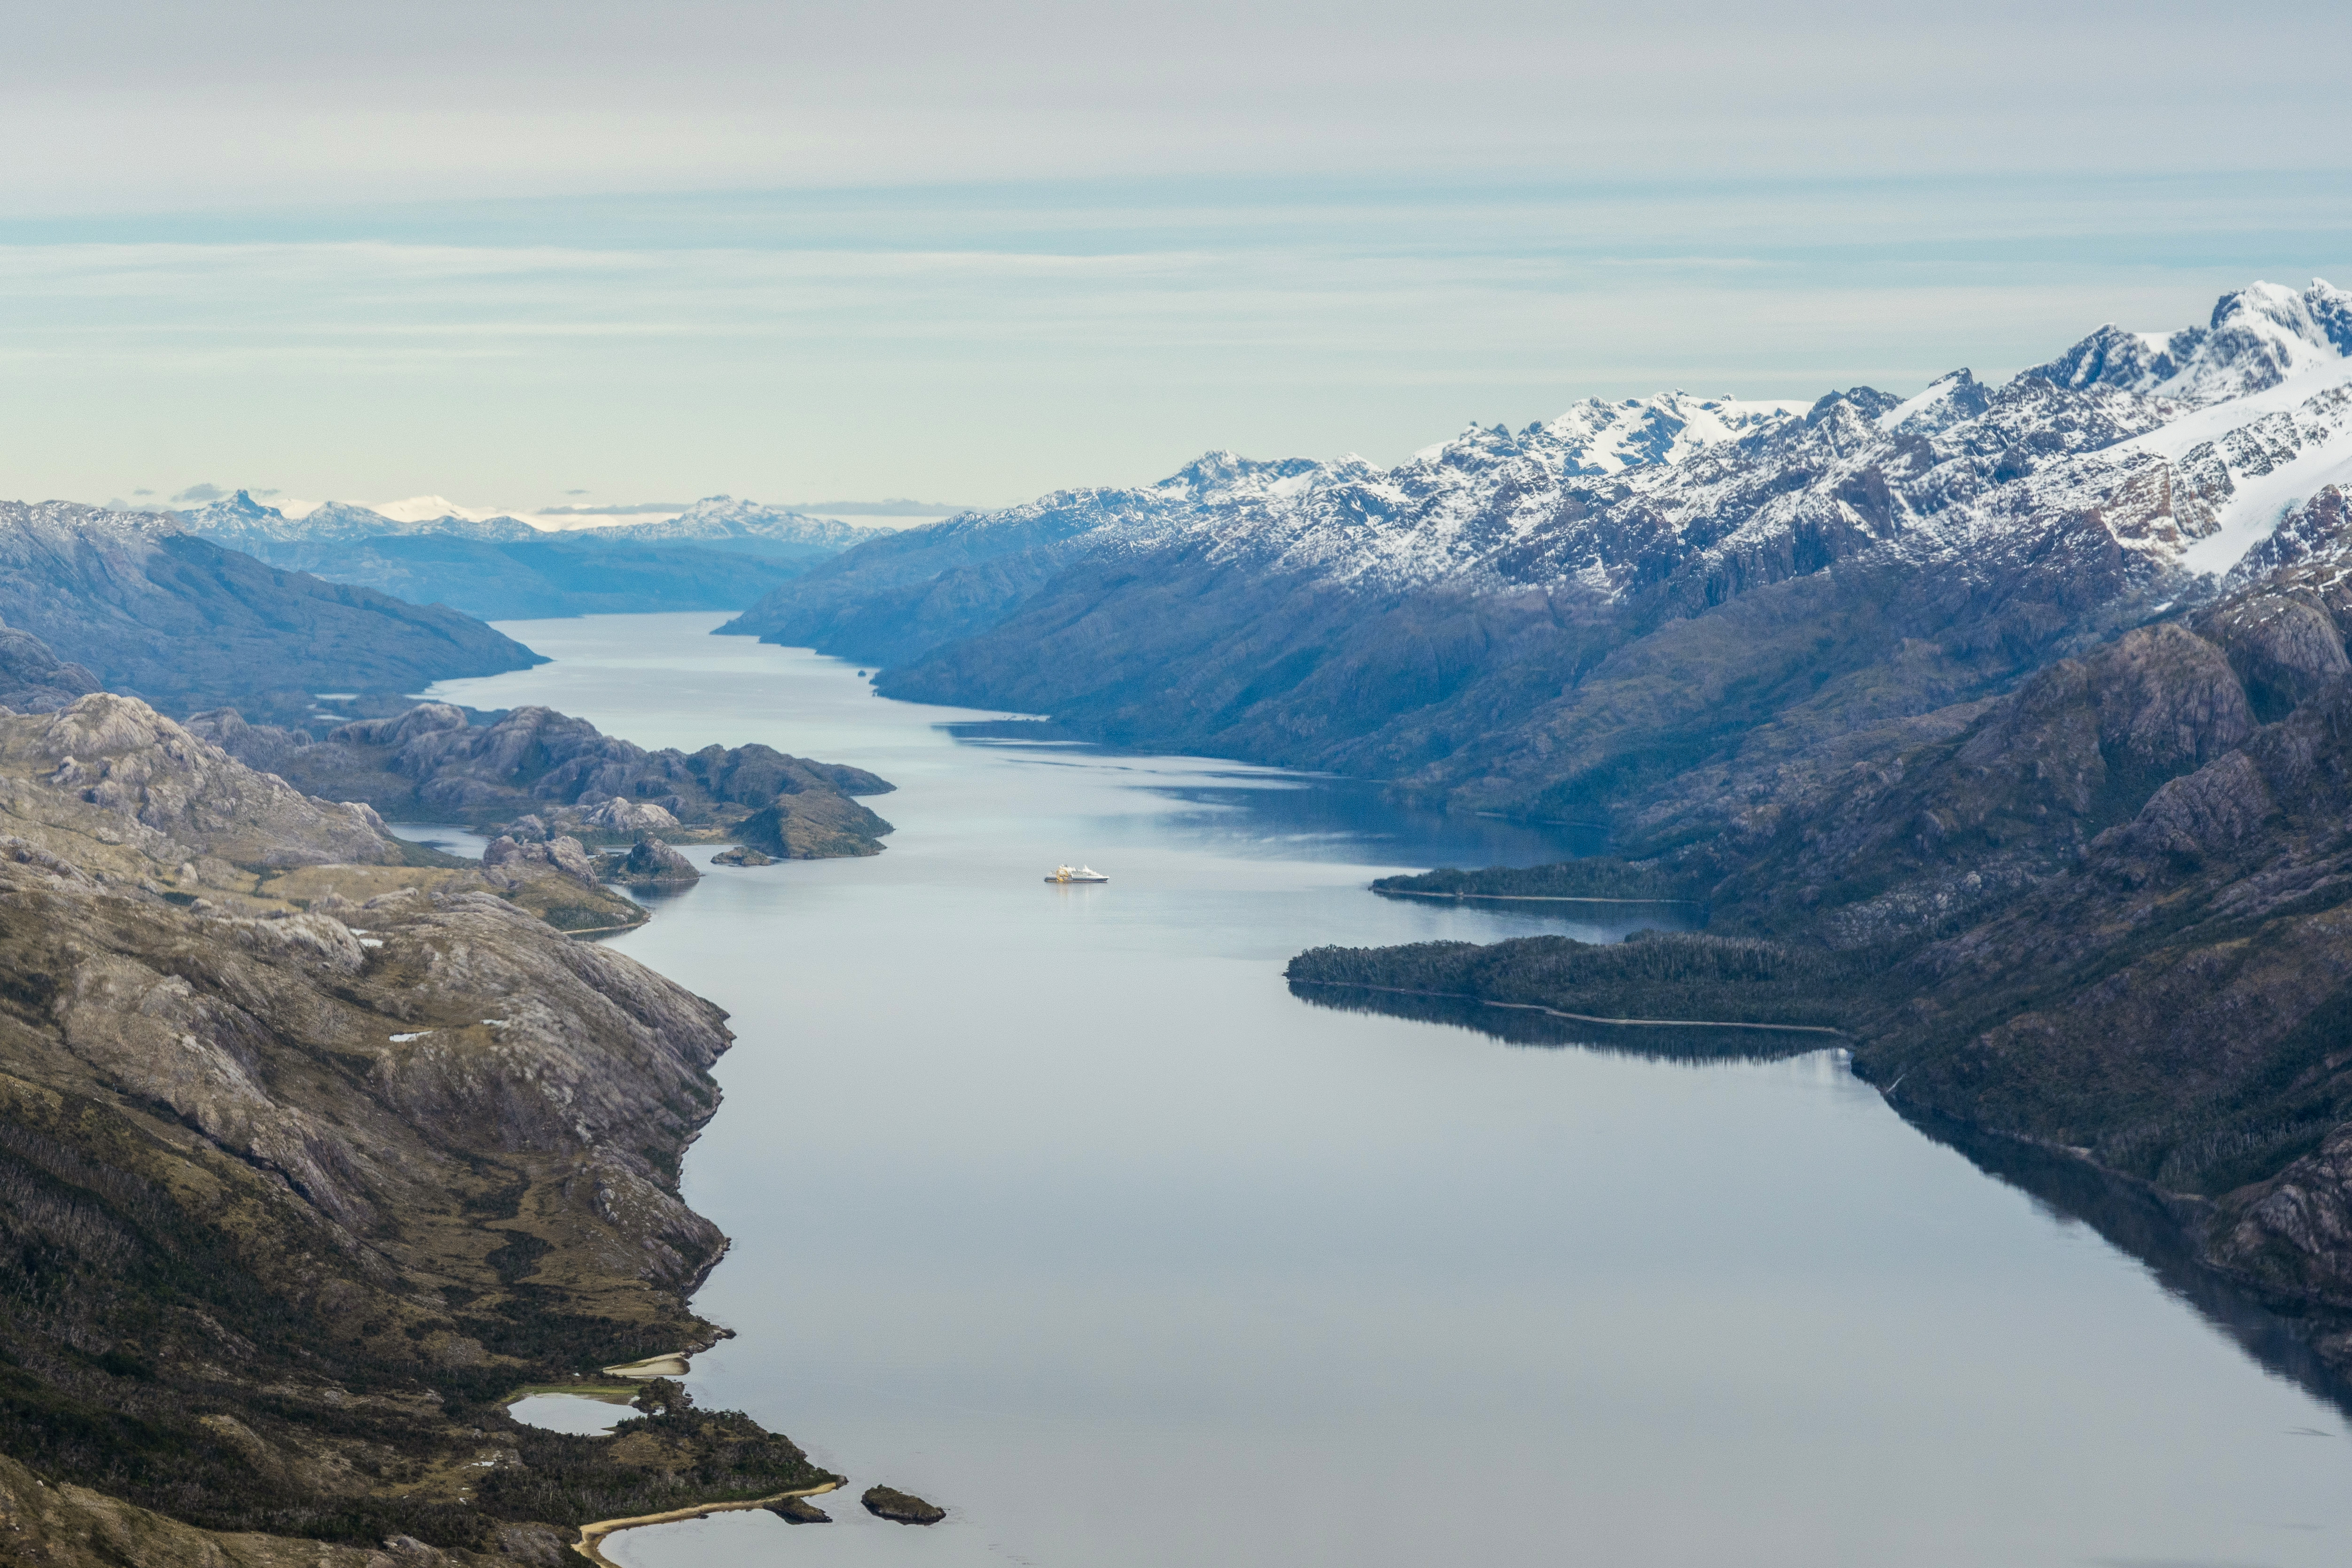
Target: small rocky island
[[900, 1507], [798, 1511]]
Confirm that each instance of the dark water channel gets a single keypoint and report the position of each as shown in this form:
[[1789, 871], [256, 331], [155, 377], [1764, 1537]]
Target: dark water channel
[[1054, 1206]]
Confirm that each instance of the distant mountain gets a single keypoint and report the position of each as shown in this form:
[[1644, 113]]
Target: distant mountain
[[720, 554], [154, 611], [1563, 621], [241, 523], [723, 522]]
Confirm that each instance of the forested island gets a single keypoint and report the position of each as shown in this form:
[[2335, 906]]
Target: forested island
[[1602, 878], [1653, 978]]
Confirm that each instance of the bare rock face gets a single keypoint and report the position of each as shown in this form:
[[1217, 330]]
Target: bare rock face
[[628, 816], [2295, 1230], [2283, 642], [566, 855], [320, 1164], [115, 768], [650, 860], [560, 776], [35, 680], [325, 1158]]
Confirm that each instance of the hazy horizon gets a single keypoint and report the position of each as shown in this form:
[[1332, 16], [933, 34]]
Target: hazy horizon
[[570, 257]]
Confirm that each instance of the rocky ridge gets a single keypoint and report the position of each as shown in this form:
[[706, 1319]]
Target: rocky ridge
[[146, 609], [308, 1158], [552, 775], [718, 554], [1479, 624], [2104, 916]]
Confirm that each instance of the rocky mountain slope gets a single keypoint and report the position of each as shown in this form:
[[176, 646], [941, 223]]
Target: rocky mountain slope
[[1559, 621], [146, 609], [544, 772], [2105, 914], [33, 679], [720, 554], [307, 1160]]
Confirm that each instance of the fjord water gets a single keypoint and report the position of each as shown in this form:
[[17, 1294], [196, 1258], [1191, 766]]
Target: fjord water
[[1053, 1206]]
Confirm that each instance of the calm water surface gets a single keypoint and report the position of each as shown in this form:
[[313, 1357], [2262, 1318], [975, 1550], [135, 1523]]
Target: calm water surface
[[1053, 1206]]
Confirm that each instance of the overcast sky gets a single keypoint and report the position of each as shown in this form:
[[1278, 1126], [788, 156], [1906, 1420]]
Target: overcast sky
[[971, 252]]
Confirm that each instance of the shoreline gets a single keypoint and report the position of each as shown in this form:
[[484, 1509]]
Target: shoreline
[[592, 1536], [1533, 897], [1576, 1017]]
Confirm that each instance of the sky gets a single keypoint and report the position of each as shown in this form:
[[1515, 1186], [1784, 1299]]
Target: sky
[[531, 256]]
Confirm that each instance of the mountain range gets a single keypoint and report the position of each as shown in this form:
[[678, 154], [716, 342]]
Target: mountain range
[[717, 554], [1559, 621], [131, 601]]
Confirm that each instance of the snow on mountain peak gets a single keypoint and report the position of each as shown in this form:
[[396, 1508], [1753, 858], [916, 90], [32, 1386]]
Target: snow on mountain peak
[[1225, 475], [1950, 398], [2256, 337], [1597, 437]]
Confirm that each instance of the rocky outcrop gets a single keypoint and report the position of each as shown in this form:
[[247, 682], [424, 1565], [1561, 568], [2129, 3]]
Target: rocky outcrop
[[810, 826], [741, 855], [650, 860], [187, 625], [560, 775], [35, 680], [112, 769], [1908, 840], [566, 854], [799, 1510], [321, 1163], [902, 1507]]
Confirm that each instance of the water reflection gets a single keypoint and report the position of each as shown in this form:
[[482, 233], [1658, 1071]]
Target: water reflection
[[2135, 1219], [2130, 1216], [1056, 1206], [1525, 1026]]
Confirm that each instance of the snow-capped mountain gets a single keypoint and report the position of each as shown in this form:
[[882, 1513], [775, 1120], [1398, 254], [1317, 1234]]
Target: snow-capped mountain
[[715, 519], [239, 522], [2257, 337], [2189, 445], [1451, 617]]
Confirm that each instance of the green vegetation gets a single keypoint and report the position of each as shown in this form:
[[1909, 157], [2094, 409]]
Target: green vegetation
[[1599, 876], [1677, 976]]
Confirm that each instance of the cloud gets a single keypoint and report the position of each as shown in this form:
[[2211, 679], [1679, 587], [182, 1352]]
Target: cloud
[[575, 492], [143, 492], [200, 493], [263, 494]]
